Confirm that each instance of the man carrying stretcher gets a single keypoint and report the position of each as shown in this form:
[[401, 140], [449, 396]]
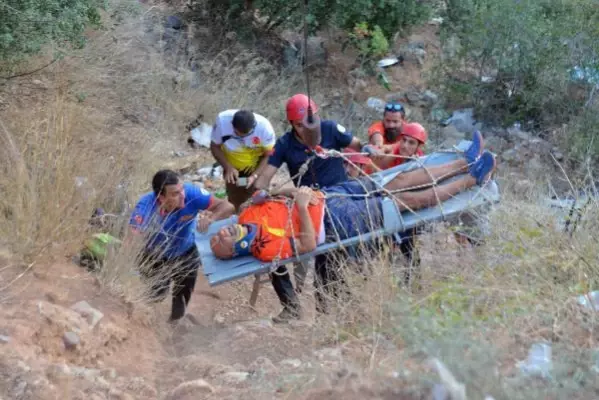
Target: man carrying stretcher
[[267, 231]]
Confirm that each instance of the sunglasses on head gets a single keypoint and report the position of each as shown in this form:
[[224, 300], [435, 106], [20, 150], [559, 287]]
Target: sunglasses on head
[[396, 107]]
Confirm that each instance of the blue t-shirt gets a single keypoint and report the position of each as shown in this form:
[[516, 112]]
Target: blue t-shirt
[[173, 234], [321, 172]]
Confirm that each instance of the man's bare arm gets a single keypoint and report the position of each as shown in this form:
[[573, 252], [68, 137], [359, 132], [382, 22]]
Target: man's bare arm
[[376, 139], [307, 236], [221, 209], [265, 177], [355, 144]]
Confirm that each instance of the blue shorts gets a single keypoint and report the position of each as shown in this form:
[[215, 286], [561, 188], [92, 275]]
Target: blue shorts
[[349, 212]]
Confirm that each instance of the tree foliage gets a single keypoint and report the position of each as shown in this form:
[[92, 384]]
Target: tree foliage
[[26, 25], [391, 16], [519, 56]]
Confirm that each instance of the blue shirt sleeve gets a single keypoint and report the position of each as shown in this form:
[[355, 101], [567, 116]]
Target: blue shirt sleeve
[[197, 198], [343, 137], [142, 213], [277, 158]]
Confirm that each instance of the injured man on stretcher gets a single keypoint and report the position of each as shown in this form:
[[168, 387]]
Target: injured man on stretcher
[[297, 220]]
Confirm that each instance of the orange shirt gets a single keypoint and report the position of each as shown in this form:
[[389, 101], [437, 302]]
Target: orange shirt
[[275, 234], [377, 127], [398, 160]]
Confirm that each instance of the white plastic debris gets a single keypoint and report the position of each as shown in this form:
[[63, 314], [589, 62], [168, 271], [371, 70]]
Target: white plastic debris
[[387, 62], [538, 362], [201, 134], [211, 172], [590, 300], [376, 104], [455, 389]]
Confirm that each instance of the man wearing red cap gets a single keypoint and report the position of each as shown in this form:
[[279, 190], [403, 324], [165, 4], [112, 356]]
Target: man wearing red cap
[[294, 148]]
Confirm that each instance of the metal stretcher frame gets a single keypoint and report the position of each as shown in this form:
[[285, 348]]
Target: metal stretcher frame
[[219, 271]]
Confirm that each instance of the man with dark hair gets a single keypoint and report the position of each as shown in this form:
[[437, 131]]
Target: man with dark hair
[[293, 149], [241, 143], [168, 217], [273, 228], [388, 131]]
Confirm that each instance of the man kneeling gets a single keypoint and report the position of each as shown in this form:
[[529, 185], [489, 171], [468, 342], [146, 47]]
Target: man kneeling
[[271, 229]]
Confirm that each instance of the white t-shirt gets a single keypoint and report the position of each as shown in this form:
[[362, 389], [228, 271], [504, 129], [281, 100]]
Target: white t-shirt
[[243, 152]]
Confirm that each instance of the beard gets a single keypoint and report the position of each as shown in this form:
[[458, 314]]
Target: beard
[[391, 134]]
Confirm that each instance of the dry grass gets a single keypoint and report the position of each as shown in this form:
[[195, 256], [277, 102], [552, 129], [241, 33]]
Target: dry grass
[[112, 114], [479, 309]]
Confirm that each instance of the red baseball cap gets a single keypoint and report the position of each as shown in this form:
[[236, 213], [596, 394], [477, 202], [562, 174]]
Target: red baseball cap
[[356, 158]]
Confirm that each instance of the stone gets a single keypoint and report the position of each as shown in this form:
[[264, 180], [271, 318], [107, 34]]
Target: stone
[[92, 315], [509, 155], [4, 339], [263, 364], [58, 371], [495, 144], [451, 132], [557, 154], [293, 54], [118, 395], [439, 392], [291, 362], [518, 134], [394, 97], [70, 340], [236, 377], [376, 104], [109, 373], [174, 22], [463, 120], [191, 389], [18, 390], [430, 97]]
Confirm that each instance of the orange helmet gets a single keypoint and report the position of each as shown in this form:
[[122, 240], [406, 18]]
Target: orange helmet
[[297, 107], [415, 130]]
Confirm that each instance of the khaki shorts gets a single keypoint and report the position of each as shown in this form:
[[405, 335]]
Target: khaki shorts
[[238, 195]]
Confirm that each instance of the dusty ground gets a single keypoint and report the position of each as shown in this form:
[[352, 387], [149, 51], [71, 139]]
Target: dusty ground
[[227, 350]]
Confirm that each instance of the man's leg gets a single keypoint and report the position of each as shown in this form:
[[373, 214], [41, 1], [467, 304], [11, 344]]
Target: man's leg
[[435, 195], [237, 195], [300, 270], [328, 278], [154, 272], [281, 282], [422, 177], [186, 273], [412, 256]]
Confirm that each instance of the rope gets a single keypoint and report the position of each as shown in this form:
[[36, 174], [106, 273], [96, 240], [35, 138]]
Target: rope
[[310, 111], [325, 153]]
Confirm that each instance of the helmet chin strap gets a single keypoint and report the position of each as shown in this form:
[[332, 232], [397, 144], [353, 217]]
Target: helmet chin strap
[[243, 243]]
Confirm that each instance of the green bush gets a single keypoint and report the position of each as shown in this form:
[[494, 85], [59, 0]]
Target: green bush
[[391, 16], [26, 25], [529, 48], [370, 43]]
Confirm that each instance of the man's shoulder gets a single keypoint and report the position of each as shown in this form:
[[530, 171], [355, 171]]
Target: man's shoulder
[[147, 200], [262, 121], [191, 188], [227, 114], [376, 127], [285, 139], [330, 126]]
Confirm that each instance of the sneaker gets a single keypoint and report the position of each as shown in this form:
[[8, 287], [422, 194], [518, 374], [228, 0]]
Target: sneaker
[[483, 167], [476, 148], [286, 315]]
